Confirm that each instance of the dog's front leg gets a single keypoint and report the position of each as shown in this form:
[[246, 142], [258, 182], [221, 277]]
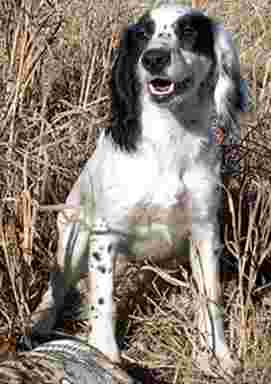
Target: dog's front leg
[[205, 266], [205, 272], [201, 181], [101, 280]]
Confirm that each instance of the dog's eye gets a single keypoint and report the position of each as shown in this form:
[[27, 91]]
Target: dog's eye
[[141, 32], [144, 29]]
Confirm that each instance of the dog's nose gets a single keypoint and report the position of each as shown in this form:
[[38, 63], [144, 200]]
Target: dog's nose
[[155, 60]]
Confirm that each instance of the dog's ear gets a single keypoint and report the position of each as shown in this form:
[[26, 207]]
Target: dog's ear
[[230, 94], [125, 93]]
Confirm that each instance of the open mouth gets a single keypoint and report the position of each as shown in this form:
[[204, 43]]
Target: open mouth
[[161, 87], [165, 87]]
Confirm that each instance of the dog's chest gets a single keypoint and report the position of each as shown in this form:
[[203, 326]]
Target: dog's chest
[[156, 231], [144, 195], [163, 200]]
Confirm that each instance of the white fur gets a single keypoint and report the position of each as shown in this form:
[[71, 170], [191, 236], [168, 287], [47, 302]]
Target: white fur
[[165, 18]]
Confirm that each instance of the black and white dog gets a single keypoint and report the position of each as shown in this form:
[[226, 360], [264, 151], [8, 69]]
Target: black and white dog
[[154, 176]]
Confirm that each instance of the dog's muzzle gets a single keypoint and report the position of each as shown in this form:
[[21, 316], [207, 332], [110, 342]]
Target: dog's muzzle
[[156, 61]]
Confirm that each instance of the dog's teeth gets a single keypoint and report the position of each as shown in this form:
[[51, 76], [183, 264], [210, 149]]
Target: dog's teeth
[[161, 92]]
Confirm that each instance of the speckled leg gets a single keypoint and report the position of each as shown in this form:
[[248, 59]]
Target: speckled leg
[[101, 273]]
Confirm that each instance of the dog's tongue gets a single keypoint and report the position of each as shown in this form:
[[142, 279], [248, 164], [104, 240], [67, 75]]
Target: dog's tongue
[[161, 87]]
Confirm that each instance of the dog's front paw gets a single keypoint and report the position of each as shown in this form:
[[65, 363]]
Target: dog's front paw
[[219, 364], [227, 363]]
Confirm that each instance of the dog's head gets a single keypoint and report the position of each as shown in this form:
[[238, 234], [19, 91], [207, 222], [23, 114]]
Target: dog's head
[[165, 58]]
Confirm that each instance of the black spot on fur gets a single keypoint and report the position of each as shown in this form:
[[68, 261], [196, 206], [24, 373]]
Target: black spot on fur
[[101, 301], [82, 164], [101, 269], [92, 308], [97, 256], [110, 247]]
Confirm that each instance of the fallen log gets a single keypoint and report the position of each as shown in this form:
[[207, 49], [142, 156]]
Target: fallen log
[[66, 361]]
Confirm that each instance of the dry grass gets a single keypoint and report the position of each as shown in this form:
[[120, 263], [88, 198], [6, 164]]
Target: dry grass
[[53, 101]]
